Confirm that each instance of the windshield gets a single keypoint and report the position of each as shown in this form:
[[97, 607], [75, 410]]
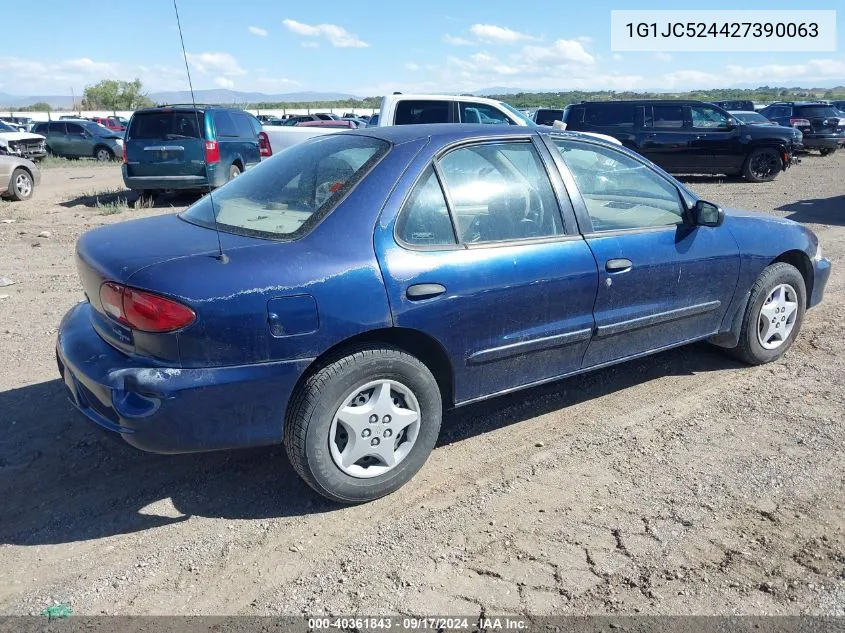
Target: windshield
[[519, 115], [750, 117], [285, 196], [5, 127]]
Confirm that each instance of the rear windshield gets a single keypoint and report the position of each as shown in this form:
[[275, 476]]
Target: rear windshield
[[816, 111], [283, 197], [166, 125]]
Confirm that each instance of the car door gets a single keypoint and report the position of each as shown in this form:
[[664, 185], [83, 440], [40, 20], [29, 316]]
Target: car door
[[56, 133], [474, 254], [662, 281], [77, 140], [715, 140], [664, 140]]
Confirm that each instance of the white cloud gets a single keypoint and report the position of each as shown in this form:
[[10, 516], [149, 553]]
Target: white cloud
[[224, 82], [617, 57], [498, 34], [337, 35], [457, 41], [257, 30], [559, 53], [215, 63], [662, 57], [412, 66]]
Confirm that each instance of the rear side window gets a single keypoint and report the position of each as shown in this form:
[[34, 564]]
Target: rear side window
[[243, 125], [412, 112], [41, 128], [668, 116], [425, 220], [777, 112], [548, 117], [284, 197], [57, 128], [482, 113], [610, 115], [166, 125], [224, 124]]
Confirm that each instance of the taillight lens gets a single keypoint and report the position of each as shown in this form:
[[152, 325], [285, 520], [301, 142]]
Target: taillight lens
[[264, 145], [142, 310], [125, 159], [799, 122], [212, 152]]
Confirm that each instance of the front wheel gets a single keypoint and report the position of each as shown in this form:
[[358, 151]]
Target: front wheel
[[773, 316], [825, 151], [763, 165], [103, 154], [21, 185], [362, 426]]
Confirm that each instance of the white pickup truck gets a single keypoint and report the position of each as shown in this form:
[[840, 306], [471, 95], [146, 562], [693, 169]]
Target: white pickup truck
[[407, 109]]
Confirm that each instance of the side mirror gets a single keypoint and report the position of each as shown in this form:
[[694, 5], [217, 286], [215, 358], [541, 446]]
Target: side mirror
[[707, 214]]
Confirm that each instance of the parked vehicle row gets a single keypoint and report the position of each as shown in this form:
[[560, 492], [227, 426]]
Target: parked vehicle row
[[373, 278], [27, 145], [80, 138]]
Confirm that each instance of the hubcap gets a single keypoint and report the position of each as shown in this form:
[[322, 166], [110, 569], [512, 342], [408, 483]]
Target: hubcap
[[777, 316], [24, 185], [374, 429], [102, 155]]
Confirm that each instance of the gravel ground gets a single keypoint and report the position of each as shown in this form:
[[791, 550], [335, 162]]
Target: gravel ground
[[684, 483]]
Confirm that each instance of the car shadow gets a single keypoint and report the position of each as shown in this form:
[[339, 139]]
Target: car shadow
[[817, 210], [63, 480], [693, 179], [117, 199]]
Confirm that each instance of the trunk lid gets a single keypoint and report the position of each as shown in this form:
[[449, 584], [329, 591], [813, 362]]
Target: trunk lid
[[166, 143]]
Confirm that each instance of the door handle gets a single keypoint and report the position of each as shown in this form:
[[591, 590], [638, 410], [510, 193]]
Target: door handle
[[418, 292], [620, 265]]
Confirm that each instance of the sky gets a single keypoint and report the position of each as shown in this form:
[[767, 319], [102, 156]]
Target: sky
[[375, 47]]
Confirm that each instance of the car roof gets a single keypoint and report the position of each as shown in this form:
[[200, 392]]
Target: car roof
[[445, 133]]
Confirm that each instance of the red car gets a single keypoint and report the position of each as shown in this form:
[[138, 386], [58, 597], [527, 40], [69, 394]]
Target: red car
[[111, 122]]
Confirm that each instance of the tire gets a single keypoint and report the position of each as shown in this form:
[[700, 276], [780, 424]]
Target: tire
[[234, 172], [762, 165], [751, 348], [103, 154], [21, 186], [826, 151], [314, 439], [146, 197]]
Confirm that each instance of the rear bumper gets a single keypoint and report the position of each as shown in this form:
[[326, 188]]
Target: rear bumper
[[216, 174], [823, 142], [821, 273], [172, 410]]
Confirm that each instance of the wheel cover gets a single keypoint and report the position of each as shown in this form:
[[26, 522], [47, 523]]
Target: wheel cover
[[374, 429], [777, 316], [103, 155], [23, 184], [764, 164]]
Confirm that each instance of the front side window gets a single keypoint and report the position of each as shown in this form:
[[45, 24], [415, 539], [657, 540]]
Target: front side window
[[283, 197], [424, 220], [610, 115], [409, 112], [707, 117], [548, 117], [74, 129], [500, 192], [619, 191], [483, 113]]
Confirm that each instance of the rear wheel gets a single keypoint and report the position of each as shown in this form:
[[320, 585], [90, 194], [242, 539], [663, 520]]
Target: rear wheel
[[234, 172], [103, 154], [146, 197], [21, 185], [773, 316], [762, 165], [364, 424], [824, 151]]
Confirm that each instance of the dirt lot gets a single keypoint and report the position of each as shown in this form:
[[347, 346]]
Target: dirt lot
[[682, 483]]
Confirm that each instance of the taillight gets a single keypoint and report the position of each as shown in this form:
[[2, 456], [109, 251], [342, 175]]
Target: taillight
[[212, 152], [264, 145], [799, 122], [125, 159], [142, 310]]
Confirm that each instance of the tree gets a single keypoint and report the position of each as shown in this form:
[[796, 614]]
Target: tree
[[111, 94], [39, 106]]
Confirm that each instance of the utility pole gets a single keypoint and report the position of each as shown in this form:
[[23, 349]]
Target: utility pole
[[73, 99]]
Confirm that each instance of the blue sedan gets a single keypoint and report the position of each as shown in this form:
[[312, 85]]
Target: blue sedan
[[343, 293]]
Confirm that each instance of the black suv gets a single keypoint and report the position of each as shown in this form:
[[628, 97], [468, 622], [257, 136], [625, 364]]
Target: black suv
[[687, 137], [822, 125], [735, 104]]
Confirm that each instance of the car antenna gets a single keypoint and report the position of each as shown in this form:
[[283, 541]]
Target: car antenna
[[221, 256]]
